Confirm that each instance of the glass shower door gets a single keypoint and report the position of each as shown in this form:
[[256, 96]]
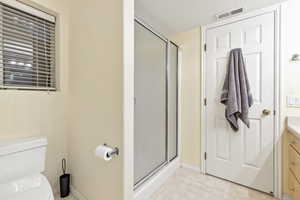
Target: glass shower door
[[150, 129]]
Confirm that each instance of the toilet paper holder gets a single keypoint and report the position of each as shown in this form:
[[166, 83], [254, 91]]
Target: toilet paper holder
[[115, 151]]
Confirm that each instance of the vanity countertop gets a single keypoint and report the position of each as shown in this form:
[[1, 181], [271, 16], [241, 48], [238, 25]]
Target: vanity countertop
[[293, 125]]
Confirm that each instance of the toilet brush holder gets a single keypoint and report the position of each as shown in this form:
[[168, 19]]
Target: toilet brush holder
[[64, 181]]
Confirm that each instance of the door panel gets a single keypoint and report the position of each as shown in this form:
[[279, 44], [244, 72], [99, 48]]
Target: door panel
[[222, 139], [150, 136], [244, 157], [254, 60], [252, 143], [172, 101]]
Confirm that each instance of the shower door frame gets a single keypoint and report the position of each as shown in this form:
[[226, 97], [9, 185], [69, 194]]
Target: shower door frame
[[167, 68]]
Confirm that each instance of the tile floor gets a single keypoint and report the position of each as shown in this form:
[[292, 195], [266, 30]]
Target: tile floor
[[187, 184]]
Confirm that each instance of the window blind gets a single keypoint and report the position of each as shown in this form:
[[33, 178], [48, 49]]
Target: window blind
[[27, 50]]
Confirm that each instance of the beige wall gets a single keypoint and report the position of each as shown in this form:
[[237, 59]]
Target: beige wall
[[34, 113], [96, 89], [76, 119], [290, 70], [189, 43]]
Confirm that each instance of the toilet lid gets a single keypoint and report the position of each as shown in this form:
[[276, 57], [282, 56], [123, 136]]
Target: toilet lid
[[34, 187]]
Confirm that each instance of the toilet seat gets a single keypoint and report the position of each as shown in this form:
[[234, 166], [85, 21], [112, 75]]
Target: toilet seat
[[32, 187]]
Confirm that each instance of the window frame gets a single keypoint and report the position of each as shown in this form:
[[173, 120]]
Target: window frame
[[48, 15]]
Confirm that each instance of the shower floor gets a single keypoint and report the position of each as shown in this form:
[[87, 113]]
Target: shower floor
[[190, 185]]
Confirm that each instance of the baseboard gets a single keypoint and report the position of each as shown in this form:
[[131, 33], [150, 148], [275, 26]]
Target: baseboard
[[145, 191], [77, 195], [192, 167], [286, 197]]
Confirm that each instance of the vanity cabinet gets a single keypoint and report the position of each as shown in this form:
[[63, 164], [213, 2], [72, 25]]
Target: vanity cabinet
[[294, 166]]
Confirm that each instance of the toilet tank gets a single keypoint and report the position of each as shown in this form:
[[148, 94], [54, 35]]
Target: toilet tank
[[22, 157]]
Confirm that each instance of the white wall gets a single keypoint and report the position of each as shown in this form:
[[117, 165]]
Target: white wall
[[290, 70], [34, 113], [190, 46], [291, 45]]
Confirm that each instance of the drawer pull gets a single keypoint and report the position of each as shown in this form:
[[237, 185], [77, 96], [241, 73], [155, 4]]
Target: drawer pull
[[293, 163], [292, 189]]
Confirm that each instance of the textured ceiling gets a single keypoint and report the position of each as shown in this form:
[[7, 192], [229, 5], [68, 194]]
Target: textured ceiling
[[172, 16]]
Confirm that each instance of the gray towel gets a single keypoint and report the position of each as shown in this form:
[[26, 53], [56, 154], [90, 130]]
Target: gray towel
[[236, 94]]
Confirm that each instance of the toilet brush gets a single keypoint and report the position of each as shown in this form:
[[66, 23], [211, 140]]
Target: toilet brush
[[64, 181]]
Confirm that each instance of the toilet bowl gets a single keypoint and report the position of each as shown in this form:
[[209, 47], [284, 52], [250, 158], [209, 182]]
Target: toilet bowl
[[21, 164]]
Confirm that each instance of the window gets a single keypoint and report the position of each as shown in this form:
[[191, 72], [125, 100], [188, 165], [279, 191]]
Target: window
[[27, 48]]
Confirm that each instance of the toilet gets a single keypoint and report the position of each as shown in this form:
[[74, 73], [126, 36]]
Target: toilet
[[21, 163]]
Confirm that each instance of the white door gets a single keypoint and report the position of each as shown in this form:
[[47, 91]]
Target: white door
[[244, 157]]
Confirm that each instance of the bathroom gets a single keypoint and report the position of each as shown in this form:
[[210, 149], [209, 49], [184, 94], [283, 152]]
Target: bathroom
[[75, 84]]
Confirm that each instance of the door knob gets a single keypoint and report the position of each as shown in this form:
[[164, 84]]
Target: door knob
[[266, 112]]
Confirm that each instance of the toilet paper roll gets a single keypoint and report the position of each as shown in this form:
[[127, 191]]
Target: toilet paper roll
[[104, 152]]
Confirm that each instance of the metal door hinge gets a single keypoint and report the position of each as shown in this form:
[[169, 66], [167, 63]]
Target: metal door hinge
[[205, 101], [205, 47], [274, 112], [205, 156]]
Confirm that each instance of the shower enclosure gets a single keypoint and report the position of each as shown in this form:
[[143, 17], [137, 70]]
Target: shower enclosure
[[156, 99]]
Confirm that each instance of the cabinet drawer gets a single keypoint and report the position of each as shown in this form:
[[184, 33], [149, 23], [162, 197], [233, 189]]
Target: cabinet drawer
[[294, 187], [294, 162], [296, 194], [294, 141], [291, 180]]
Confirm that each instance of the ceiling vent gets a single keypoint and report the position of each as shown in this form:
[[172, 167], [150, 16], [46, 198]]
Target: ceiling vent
[[229, 13]]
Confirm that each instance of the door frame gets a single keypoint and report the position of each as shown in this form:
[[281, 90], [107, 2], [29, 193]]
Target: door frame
[[276, 9], [127, 150]]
